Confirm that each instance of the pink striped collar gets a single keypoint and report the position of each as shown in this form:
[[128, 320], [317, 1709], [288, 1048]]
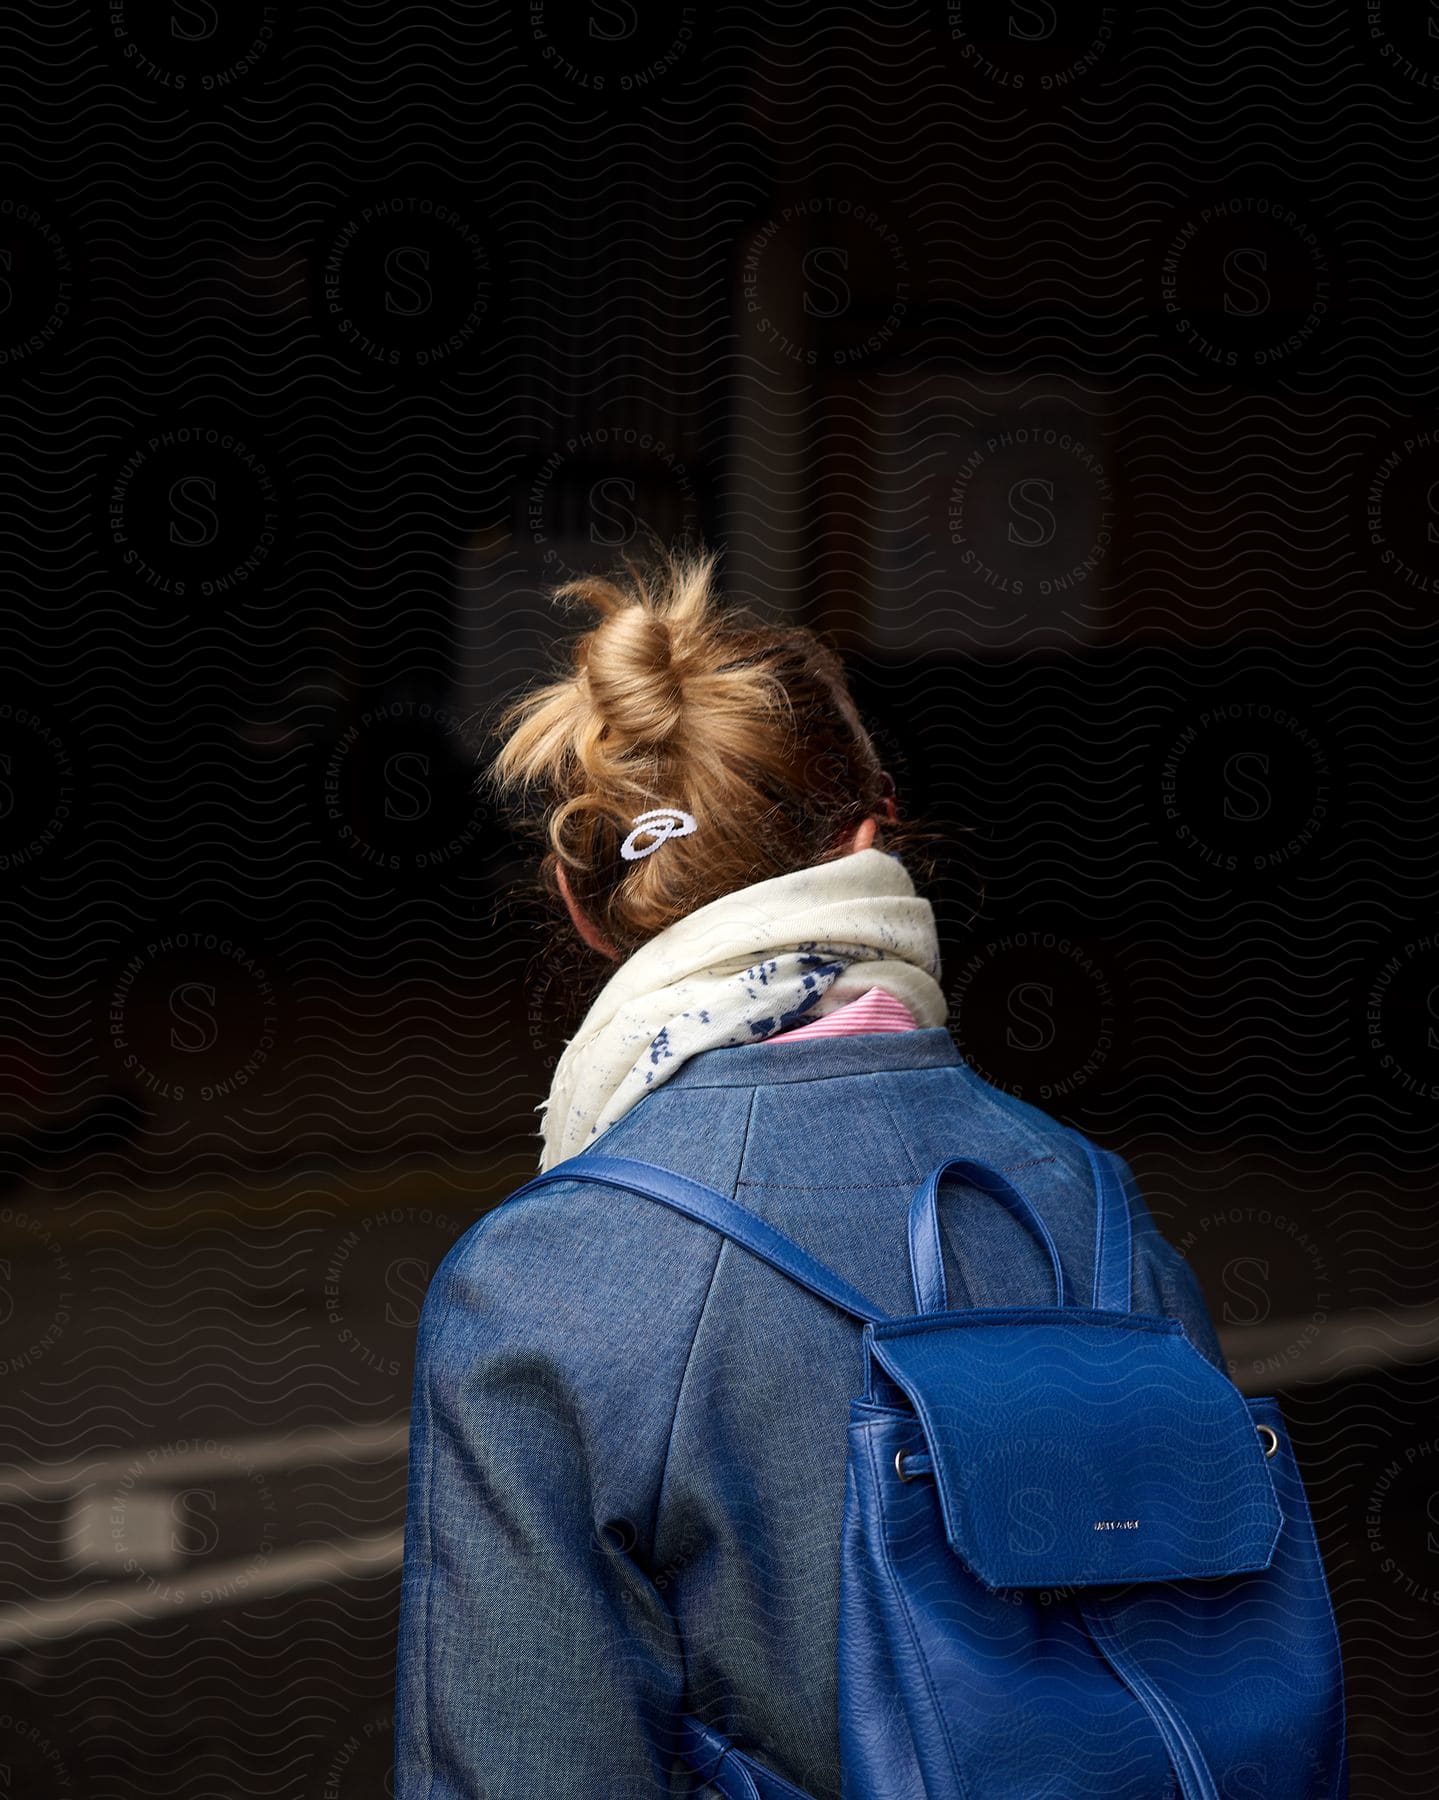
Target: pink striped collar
[[874, 1010]]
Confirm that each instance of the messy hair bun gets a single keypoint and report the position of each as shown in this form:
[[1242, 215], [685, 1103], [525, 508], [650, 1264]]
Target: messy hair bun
[[671, 702]]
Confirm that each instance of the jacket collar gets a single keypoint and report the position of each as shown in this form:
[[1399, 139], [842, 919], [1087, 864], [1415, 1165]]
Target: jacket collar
[[815, 1059]]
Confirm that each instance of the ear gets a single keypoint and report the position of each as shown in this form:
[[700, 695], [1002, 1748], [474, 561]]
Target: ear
[[863, 838], [580, 922]]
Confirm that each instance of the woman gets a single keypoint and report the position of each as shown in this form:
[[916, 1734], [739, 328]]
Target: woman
[[629, 1435]]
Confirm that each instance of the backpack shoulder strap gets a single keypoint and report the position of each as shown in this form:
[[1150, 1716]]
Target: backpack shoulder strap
[[1113, 1232], [707, 1206]]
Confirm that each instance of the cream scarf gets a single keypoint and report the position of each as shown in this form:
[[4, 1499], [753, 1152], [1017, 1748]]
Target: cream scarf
[[774, 954]]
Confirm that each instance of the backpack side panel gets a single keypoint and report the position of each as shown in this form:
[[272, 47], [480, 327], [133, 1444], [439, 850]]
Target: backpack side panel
[[1251, 1665]]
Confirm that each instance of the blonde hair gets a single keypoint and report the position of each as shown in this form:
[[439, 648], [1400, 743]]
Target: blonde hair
[[671, 702]]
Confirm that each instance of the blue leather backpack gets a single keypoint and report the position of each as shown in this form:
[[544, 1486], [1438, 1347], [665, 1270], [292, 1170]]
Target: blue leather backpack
[[1075, 1559]]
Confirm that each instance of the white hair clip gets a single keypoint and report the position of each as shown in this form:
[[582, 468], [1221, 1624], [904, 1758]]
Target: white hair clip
[[662, 824]]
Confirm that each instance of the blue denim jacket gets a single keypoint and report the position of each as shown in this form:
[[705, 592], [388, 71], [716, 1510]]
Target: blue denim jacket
[[627, 1464]]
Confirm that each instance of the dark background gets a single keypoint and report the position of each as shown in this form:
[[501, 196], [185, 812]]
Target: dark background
[[1073, 367]]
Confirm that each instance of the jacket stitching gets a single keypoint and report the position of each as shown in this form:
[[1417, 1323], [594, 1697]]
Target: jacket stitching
[[679, 1391], [874, 1082], [827, 1187], [724, 1244], [846, 1187]]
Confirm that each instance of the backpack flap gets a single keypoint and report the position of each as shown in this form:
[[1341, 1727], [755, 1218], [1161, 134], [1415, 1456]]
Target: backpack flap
[[1074, 1448]]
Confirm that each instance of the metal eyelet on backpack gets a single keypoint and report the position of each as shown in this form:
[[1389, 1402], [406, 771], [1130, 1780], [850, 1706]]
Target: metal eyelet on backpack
[[1270, 1438], [899, 1466]]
